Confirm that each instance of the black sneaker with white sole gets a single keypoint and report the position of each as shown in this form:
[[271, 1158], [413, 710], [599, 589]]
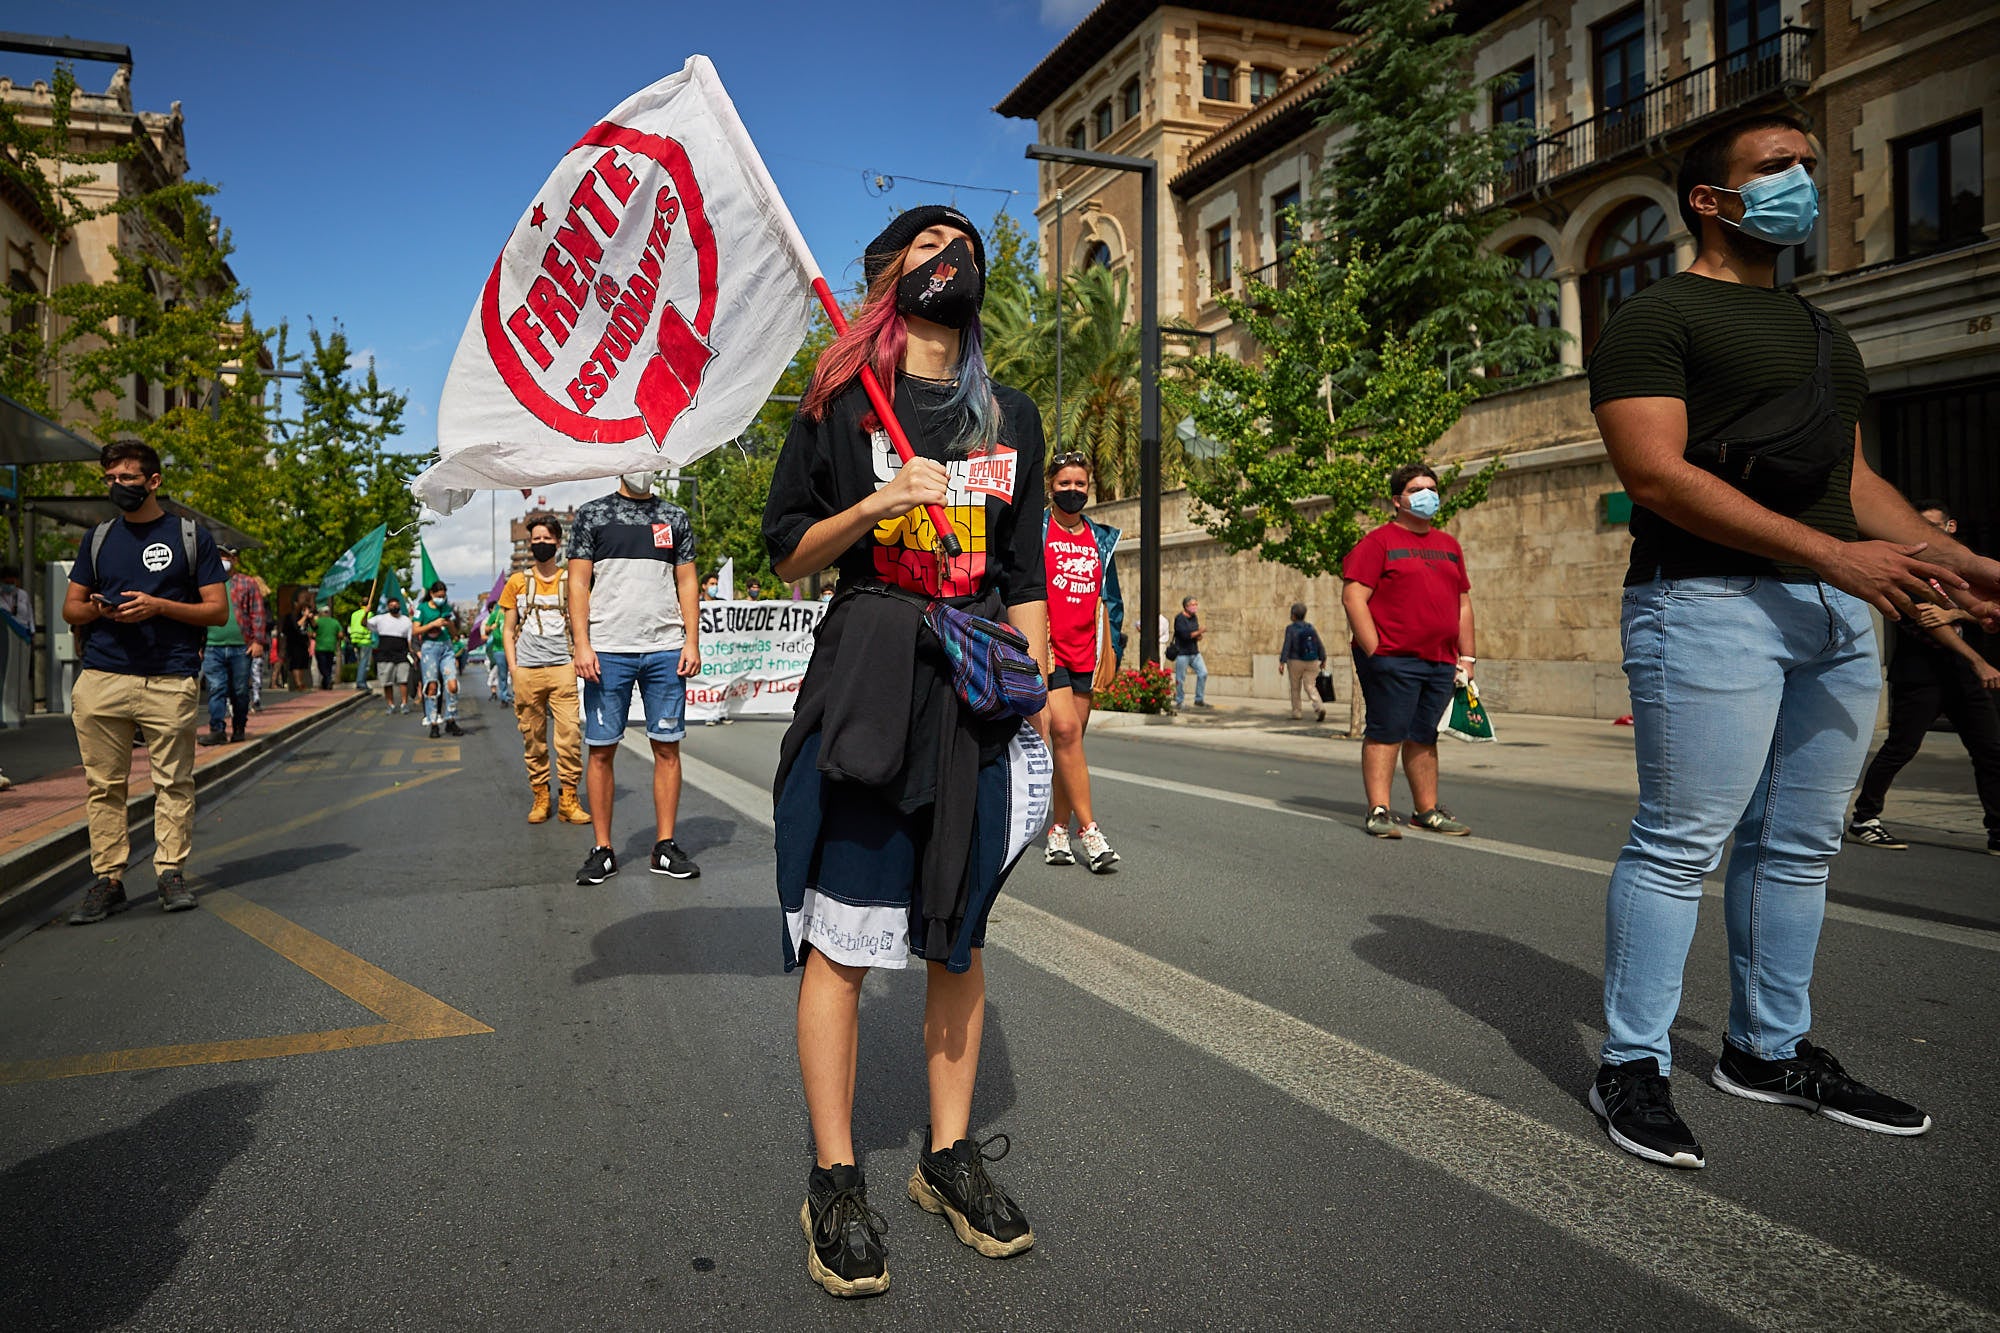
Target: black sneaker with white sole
[[953, 1183], [1633, 1101], [846, 1255], [669, 859], [599, 866], [1870, 833], [1813, 1079]]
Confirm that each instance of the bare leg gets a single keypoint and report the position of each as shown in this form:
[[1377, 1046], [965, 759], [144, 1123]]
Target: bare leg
[[954, 1019], [602, 786], [666, 788], [1378, 771], [829, 1040], [1069, 712], [1420, 766]]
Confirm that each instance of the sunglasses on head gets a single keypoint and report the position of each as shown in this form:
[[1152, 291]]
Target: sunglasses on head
[[1068, 458]]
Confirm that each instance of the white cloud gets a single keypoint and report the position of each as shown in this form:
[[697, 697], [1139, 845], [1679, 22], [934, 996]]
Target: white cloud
[[359, 358], [1065, 13]]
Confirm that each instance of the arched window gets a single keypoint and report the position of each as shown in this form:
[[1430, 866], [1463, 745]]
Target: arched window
[[1095, 255], [1630, 253], [1537, 261]]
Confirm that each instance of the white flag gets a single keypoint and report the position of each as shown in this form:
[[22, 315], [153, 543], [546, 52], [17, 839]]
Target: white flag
[[650, 296]]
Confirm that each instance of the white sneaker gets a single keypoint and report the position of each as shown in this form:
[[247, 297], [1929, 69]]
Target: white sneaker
[[1058, 853], [1097, 853]]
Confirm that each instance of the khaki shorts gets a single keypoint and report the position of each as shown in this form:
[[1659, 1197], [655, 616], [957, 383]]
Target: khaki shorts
[[392, 673]]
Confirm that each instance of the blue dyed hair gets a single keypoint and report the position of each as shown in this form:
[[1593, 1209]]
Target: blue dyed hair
[[972, 401]]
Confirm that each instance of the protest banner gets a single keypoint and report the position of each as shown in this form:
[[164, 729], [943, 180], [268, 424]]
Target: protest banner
[[753, 657]]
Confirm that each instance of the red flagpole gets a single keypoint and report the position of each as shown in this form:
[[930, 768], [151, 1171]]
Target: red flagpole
[[947, 538]]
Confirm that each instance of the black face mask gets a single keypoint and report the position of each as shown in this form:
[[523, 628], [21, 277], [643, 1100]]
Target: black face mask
[[945, 289], [1070, 502], [543, 551], [129, 497]]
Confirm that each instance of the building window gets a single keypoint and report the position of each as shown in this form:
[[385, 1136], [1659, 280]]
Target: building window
[[1619, 66], [1515, 99], [1264, 85], [1096, 255], [1749, 49], [1940, 189], [1221, 267], [1075, 135], [1285, 219], [1103, 118], [1629, 254], [1537, 262], [1218, 81], [1129, 97]]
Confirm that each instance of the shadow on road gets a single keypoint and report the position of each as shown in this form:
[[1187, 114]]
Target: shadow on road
[[1536, 1002], [93, 1228], [268, 865], [686, 941]]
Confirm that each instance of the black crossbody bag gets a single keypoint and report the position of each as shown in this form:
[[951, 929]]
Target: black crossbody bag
[[1781, 453]]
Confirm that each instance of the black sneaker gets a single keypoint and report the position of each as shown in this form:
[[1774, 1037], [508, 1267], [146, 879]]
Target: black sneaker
[[214, 736], [434, 731], [451, 727], [236, 735], [599, 866], [99, 901], [1812, 1078], [845, 1254], [669, 859], [1638, 1113], [1870, 833], [175, 896], [953, 1182]]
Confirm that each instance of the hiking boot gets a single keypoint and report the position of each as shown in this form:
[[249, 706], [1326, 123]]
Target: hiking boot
[[538, 813], [175, 896], [214, 736], [1812, 1078], [844, 1254], [1380, 823], [99, 901], [1098, 857], [1870, 833], [599, 866], [669, 859], [451, 727], [1058, 853], [1637, 1109], [1437, 819], [570, 810], [953, 1183]]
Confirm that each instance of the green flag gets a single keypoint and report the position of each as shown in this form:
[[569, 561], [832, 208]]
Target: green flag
[[391, 587], [357, 564], [430, 570]]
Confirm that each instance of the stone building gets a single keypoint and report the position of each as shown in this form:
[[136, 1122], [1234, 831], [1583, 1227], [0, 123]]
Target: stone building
[[1908, 255]]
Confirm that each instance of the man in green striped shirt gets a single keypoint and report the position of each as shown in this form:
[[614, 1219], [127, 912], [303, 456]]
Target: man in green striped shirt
[[1760, 538]]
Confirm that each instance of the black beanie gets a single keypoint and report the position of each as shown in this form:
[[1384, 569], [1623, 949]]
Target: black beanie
[[906, 226]]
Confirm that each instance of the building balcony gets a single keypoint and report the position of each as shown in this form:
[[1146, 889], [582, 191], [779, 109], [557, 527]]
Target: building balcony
[[1781, 63]]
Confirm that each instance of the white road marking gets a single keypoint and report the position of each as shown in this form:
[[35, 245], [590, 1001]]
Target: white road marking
[[1942, 931], [1746, 1265]]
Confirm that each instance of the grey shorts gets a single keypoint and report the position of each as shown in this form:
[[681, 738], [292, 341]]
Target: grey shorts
[[392, 673]]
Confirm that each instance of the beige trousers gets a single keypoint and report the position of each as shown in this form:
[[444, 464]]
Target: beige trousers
[[538, 692], [1302, 675], [108, 709]]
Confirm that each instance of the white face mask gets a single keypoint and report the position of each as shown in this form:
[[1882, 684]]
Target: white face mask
[[638, 483]]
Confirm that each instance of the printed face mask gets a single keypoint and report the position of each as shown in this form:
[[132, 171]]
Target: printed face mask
[[1424, 504], [1070, 502], [544, 551], [945, 289], [1779, 208], [127, 496]]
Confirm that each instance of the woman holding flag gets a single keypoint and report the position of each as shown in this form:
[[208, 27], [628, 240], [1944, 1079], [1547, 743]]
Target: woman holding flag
[[898, 808]]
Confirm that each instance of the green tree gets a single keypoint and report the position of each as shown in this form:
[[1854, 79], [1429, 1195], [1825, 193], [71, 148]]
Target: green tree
[[1407, 192]]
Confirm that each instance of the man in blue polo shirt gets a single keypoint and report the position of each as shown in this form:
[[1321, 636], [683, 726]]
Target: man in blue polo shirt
[[144, 591]]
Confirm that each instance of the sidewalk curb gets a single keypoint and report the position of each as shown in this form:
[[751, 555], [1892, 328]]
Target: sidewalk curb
[[44, 872]]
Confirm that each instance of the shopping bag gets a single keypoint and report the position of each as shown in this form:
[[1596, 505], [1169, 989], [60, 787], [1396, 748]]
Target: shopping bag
[[1466, 718]]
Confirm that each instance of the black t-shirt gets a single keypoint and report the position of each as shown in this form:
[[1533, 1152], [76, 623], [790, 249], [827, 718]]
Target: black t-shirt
[[993, 498], [1723, 348], [149, 558]]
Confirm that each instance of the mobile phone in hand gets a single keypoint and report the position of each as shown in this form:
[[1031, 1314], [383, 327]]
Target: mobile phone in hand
[[109, 603]]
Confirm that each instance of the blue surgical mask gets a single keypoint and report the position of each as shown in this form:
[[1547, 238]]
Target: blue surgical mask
[[1424, 504], [1780, 208]]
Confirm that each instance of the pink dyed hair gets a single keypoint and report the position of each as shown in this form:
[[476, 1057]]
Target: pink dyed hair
[[875, 337]]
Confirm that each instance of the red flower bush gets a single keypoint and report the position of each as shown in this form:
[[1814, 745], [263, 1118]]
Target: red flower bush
[[1141, 689]]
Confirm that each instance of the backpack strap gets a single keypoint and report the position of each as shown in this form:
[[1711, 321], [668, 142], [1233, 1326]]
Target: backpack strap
[[187, 545], [97, 536]]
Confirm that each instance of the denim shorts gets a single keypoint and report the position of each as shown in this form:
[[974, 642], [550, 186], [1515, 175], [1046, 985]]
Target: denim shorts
[[1406, 697], [607, 701]]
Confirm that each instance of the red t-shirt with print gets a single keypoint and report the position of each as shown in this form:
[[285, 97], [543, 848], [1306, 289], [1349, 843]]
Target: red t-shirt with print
[[1417, 581], [1075, 577]]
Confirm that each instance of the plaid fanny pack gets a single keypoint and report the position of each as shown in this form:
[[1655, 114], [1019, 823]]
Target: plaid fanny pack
[[990, 666]]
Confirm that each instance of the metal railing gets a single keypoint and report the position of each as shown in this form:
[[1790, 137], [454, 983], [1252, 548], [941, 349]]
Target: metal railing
[[1779, 63]]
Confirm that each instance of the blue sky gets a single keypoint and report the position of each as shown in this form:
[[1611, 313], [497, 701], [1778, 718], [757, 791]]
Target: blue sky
[[372, 157]]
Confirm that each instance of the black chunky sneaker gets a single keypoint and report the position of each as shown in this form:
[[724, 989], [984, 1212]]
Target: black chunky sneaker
[[1812, 1078], [99, 901], [845, 1254], [434, 731], [175, 896], [953, 1182], [1637, 1109], [451, 727], [669, 859], [599, 866]]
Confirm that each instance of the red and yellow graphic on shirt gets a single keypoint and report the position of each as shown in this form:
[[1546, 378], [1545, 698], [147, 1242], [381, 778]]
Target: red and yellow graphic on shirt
[[906, 548]]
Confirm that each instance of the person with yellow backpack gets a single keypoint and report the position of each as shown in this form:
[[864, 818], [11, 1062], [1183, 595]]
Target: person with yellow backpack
[[535, 602]]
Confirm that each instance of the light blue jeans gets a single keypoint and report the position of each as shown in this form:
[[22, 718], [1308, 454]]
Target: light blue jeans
[[439, 663], [1753, 702], [1183, 664]]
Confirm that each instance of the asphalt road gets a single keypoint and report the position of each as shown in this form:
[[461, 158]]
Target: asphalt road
[[1270, 1074]]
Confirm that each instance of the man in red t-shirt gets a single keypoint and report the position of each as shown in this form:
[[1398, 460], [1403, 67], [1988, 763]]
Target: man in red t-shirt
[[1409, 605]]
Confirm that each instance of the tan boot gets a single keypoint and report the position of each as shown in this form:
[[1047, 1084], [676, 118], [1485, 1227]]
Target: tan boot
[[571, 809], [539, 812]]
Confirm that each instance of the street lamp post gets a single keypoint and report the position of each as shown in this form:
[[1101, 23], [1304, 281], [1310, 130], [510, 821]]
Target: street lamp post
[[1149, 373]]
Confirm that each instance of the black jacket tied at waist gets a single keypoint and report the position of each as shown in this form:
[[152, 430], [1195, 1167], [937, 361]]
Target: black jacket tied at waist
[[879, 692]]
